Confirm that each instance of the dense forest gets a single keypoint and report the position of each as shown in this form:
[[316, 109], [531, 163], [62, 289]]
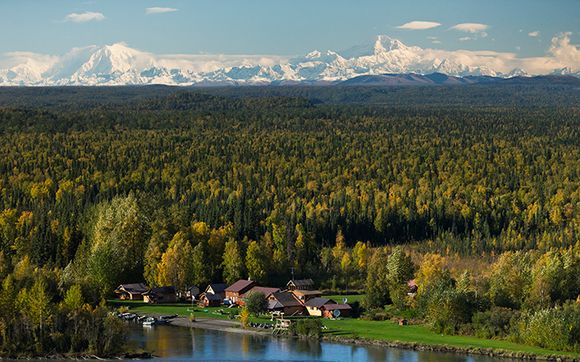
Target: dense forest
[[173, 186]]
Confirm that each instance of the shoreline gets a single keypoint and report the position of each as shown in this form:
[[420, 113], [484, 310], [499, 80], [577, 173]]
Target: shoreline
[[417, 346], [235, 327], [216, 325]]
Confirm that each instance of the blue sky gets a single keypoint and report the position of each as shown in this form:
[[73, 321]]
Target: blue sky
[[283, 27]]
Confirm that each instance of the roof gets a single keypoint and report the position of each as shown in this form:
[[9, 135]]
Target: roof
[[264, 290], [274, 304], [287, 299], [132, 288], [240, 286], [412, 283], [319, 302], [337, 306], [302, 282], [307, 292], [210, 296], [217, 287], [161, 290]]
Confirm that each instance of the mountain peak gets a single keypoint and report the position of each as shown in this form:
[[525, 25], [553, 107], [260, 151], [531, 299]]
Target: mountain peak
[[386, 43]]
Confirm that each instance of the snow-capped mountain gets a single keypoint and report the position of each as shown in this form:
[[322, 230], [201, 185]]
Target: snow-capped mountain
[[119, 64]]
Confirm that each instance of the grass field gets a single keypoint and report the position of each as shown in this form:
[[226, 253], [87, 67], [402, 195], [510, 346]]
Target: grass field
[[390, 331], [182, 310], [350, 297], [348, 327]]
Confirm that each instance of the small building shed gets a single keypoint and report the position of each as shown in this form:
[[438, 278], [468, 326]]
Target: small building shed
[[314, 306], [285, 302], [336, 310], [210, 300], [160, 295], [300, 284], [305, 295]]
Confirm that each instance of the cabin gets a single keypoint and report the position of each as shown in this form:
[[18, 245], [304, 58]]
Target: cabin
[[300, 284], [336, 310], [267, 291], [236, 290], [160, 295], [305, 295], [131, 291], [286, 303], [314, 306], [218, 289], [210, 300]]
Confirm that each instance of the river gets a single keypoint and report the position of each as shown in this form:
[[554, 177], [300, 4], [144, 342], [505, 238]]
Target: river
[[182, 344]]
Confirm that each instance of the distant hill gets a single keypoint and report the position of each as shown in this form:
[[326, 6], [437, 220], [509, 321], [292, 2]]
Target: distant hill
[[412, 79]]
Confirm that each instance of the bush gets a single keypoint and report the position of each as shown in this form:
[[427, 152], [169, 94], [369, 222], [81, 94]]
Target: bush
[[555, 328], [496, 322], [256, 303], [307, 328], [448, 308], [377, 314]]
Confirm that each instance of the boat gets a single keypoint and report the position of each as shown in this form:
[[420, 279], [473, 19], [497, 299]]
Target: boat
[[169, 317], [150, 321]]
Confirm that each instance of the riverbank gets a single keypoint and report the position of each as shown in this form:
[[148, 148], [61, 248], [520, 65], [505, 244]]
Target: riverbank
[[490, 352], [216, 325], [358, 331]]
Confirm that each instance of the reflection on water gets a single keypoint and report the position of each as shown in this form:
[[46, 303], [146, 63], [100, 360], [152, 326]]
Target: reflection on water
[[182, 344]]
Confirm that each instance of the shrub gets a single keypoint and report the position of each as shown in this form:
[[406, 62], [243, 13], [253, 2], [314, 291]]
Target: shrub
[[496, 322], [377, 314], [555, 328], [307, 328], [256, 303], [245, 317]]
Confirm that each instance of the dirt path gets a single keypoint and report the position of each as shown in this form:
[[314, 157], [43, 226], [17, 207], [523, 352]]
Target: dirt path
[[217, 325]]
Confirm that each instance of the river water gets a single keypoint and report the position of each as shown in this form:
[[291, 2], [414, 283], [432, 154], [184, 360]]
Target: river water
[[183, 344]]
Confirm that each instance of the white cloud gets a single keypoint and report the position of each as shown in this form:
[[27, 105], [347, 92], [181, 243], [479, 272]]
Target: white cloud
[[84, 17], [158, 10], [419, 25], [534, 34], [470, 27], [465, 38], [436, 41]]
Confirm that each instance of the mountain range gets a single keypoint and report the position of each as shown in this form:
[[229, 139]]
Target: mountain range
[[373, 63]]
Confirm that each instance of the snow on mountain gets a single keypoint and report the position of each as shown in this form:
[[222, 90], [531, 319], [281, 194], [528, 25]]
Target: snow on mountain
[[119, 64]]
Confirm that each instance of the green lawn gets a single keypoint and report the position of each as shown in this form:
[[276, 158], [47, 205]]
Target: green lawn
[[351, 298], [183, 310], [390, 331]]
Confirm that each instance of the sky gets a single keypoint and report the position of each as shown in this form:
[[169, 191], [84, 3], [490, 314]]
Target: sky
[[285, 27]]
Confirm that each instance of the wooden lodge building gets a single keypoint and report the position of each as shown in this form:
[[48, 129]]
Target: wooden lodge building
[[131, 291], [300, 284], [213, 296], [266, 291], [286, 303], [160, 295], [234, 292]]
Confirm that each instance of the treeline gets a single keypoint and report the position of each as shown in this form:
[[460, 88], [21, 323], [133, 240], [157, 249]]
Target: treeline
[[41, 317], [463, 180], [527, 297]]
